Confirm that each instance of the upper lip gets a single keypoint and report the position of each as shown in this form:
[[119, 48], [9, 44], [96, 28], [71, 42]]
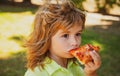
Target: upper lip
[[72, 49]]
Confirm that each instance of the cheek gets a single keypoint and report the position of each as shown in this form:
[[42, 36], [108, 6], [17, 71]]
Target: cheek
[[79, 41], [56, 43], [61, 43]]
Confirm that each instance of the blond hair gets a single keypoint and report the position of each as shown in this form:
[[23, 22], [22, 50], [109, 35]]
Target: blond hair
[[48, 20]]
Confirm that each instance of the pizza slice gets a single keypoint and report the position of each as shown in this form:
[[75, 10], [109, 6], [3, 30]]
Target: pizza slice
[[82, 53]]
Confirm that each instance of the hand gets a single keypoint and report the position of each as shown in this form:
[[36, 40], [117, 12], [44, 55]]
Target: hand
[[91, 67]]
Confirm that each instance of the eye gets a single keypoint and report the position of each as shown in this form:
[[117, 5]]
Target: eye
[[78, 34], [65, 35]]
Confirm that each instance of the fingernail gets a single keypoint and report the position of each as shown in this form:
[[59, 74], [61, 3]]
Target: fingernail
[[91, 52], [94, 51]]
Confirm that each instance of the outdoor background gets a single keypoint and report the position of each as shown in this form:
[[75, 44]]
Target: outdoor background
[[102, 29]]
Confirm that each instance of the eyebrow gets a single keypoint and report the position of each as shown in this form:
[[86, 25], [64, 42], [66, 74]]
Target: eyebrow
[[80, 30], [66, 31]]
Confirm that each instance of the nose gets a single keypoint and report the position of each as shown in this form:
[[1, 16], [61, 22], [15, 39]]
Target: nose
[[74, 42]]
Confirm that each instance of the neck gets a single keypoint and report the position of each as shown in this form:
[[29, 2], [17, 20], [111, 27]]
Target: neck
[[59, 60]]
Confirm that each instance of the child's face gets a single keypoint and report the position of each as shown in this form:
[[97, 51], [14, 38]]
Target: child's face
[[64, 41]]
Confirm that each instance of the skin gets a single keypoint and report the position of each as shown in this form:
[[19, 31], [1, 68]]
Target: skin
[[91, 67], [64, 41]]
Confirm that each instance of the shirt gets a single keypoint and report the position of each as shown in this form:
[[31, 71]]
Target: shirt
[[54, 69]]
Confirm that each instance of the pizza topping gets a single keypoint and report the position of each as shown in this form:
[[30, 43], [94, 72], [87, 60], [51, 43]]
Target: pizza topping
[[82, 53]]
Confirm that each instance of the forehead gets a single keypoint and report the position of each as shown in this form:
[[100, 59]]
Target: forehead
[[70, 20], [76, 25], [73, 29]]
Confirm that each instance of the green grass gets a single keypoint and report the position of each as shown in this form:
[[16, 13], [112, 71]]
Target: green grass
[[15, 26], [14, 65], [109, 44]]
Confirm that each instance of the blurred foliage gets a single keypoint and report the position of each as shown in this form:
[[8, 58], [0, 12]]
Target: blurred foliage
[[78, 3], [110, 2], [102, 4]]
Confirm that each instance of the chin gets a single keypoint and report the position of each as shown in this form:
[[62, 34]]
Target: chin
[[70, 56]]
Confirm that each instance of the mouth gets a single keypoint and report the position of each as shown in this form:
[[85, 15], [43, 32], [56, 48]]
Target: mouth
[[72, 49]]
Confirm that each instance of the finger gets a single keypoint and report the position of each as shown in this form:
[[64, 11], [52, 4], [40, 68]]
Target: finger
[[90, 64], [86, 65], [96, 53], [96, 57]]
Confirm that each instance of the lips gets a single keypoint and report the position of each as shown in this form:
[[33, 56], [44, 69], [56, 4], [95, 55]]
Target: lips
[[72, 49]]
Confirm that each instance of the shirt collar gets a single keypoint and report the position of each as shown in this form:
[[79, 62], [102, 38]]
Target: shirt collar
[[51, 66]]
